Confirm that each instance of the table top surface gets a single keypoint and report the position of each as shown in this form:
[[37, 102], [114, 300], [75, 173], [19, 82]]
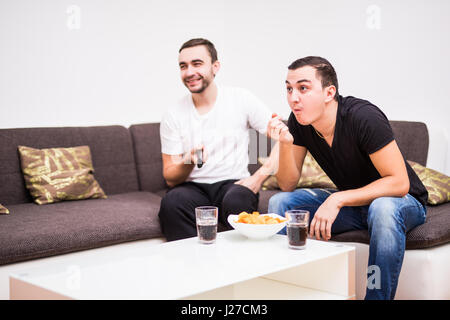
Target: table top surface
[[177, 269]]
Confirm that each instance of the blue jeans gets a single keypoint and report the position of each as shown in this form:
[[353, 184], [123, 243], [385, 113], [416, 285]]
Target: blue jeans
[[387, 219]]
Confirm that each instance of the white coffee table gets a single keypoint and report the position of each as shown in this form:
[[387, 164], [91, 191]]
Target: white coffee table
[[232, 268]]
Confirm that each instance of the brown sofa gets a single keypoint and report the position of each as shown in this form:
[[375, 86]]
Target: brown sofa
[[33, 231], [128, 167]]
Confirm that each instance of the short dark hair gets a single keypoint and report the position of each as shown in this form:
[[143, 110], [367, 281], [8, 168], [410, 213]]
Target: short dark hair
[[323, 68], [201, 42]]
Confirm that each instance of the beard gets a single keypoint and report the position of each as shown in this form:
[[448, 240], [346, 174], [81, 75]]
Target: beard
[[204, 84]]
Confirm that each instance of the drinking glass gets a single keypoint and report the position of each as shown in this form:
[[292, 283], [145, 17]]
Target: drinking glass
[[297, 228], [206, 220]]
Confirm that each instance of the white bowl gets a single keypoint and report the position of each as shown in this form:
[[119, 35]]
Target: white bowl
[[257, 231]]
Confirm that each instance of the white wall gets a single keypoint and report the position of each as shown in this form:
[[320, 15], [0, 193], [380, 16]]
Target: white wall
[[116, 62]]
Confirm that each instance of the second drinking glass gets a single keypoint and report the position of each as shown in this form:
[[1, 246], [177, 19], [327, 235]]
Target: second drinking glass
[[206, 220], [297, 228]]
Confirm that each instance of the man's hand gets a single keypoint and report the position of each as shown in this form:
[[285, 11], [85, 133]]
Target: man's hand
[[192, 158], [324, 218], [177, 168], [253, 183], [277, 130]]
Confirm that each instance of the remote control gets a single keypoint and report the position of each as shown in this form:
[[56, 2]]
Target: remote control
[[199, 158]]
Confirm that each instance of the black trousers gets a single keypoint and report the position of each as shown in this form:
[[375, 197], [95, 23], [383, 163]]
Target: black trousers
[[177, 211]]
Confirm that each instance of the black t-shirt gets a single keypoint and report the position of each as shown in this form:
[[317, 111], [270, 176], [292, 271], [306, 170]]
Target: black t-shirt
[[361, 129]]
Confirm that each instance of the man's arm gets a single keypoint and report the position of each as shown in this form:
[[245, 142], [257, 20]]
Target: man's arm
[[290, 166], [394, 182], [291, 156]]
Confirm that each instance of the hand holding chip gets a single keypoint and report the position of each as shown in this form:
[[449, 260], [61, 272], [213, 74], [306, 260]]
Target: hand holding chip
[[277, 130]]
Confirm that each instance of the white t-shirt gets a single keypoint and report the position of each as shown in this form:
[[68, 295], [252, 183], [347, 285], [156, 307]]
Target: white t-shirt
[[224, 131]]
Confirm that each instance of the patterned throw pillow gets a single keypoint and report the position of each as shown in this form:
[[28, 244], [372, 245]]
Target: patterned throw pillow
[[3, 210], [59, 174], [312, 176], [436, 183]]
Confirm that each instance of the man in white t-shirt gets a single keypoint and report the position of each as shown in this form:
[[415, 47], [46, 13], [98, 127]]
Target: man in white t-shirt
[[204, 142]]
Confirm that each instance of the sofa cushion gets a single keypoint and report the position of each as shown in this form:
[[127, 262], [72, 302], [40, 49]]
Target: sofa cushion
[[435, 231], [3, 210], [34, 231], [111, 149], [312, 176], [436, 183], [59, 174]]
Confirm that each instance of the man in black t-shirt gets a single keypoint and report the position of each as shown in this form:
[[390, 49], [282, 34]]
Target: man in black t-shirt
[[352, 141]]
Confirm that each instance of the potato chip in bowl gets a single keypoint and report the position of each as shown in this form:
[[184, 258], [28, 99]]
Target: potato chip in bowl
[[257, 226]]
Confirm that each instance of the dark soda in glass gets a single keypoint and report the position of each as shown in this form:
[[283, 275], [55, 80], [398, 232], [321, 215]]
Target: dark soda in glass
[[207, 231], [297, 234]]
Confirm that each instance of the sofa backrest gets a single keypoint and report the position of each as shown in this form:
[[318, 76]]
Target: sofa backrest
[[130, 160], [411, 137], [111, 149], [147, 151]]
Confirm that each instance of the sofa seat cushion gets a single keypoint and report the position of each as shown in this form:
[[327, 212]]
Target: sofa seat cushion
[[32, 231], [435, 231]]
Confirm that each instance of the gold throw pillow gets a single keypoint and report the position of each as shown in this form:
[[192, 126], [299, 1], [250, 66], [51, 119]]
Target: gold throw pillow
[[436, 183], [3, 210], [312, 176], [59, 174]]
